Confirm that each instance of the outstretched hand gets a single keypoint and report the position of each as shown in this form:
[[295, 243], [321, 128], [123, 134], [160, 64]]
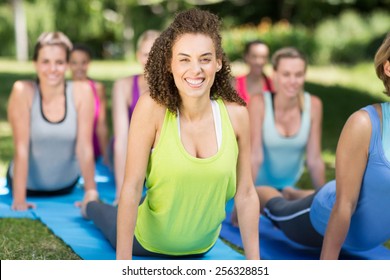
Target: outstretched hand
[[22, 206], [90, 195]]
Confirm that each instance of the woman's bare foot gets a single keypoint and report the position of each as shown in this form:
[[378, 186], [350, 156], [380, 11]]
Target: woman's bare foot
[[265, 193], [290, 193]]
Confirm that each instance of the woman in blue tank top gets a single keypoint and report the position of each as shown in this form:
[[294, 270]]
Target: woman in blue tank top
[[286, 129], [352, 212], [51, 121], [125, 94]]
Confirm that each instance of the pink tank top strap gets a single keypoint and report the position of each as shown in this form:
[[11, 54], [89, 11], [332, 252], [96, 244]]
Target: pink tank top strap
[[241, 88]]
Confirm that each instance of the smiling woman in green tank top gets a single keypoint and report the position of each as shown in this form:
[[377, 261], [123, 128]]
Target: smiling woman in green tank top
[[194, 152]]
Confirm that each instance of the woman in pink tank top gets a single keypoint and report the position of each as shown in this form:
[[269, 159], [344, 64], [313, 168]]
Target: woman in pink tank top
[[255, 82], [80, 58]]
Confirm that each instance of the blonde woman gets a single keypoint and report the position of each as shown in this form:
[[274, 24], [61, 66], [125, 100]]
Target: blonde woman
[[52, 122]]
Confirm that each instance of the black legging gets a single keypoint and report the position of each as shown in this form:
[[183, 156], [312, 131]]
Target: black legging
[[104, 217], [293, 218], [29, 193]]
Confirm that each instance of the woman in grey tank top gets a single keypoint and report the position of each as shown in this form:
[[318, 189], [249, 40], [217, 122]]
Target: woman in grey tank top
[[52, 122]]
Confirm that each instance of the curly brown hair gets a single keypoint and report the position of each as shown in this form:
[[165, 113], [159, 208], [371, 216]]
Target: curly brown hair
[[157, 70]]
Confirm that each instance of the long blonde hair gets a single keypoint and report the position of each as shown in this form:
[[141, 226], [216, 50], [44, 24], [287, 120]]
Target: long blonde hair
[[381, 57]]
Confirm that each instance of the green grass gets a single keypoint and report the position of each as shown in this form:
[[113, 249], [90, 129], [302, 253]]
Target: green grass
[[343, 90], [27, 239]]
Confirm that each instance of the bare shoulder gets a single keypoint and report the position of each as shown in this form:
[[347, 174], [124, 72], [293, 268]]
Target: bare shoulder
[[316, 103], [82, 92], [315, 108], [238, 115], [359, 122], [23, 86], [356, 133], [147, 105], [256, 104], [20, 101], [315, 100], [81, 87], [236, 110], [122, 90], [23, 91]]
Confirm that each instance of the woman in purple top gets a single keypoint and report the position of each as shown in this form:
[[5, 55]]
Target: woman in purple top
[[125, 95], [80, 58]]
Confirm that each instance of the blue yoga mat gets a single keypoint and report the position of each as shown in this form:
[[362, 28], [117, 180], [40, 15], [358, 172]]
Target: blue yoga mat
[[274, 245], [64, 219]]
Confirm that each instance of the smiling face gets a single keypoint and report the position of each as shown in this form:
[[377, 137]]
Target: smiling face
[[257, 57], [289, 76], [51, 65], [79, 62], [194, 64]]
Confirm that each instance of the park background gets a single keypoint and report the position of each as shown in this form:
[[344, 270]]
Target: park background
[[339, 37]]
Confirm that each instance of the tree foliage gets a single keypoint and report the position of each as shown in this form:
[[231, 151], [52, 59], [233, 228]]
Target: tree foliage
[[111, 27]]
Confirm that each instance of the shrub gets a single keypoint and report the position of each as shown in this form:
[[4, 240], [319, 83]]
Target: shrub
[[348, 38], [276, 35]]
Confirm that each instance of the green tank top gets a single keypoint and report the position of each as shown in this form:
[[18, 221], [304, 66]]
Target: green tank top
[[186, 196]]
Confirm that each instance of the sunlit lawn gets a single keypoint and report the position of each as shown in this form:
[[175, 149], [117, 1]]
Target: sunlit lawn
[[342, 89]]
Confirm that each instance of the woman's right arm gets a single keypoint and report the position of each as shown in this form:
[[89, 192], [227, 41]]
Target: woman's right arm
[[144, 125], [120, 117], [351, 161], [19, 118]]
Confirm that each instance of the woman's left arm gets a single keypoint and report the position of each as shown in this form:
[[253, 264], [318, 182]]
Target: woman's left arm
[[83, 97], [351, 161], [315, 163], [246, 200]]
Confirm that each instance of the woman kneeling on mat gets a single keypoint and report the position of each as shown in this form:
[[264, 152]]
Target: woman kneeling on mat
[[190, 138], [52, 123], [352, 212]]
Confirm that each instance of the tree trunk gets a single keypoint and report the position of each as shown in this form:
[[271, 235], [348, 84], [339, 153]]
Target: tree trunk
[[21, 41]]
